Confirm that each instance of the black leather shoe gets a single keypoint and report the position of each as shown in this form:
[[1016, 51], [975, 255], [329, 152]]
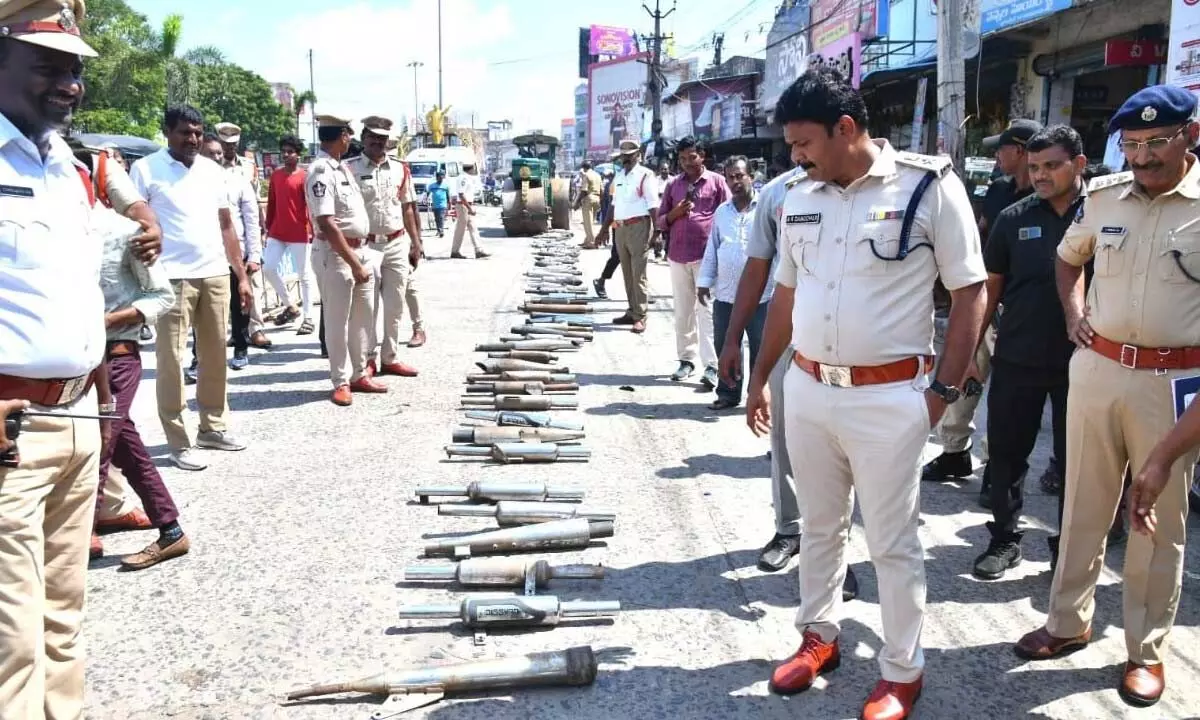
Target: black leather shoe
[[850, 586], [779, 552], [948, 466], [997, 559]]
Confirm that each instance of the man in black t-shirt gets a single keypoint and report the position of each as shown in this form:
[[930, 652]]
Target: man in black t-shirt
[[1012, 161]]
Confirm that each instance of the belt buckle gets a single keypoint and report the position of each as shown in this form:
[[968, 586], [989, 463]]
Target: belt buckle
[[1132, 352], [835, 375], [72, 389]]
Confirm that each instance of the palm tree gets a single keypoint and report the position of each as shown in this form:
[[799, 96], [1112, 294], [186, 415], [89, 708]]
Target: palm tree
[[206, 56], [305, 97], [178, 77]]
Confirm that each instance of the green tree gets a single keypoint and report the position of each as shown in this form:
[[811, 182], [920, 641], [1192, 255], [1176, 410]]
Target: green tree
[[302, 99], [229, 93], [125, 85]]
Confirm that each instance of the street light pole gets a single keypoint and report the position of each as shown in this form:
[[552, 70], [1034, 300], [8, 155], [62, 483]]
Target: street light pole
[[440, 103], [416, 106]]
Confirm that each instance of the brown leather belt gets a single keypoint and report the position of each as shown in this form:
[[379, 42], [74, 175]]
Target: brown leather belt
[[59, 391], [384, 238], [117, 348], [1141, 358], [842, 376], [630, 221]]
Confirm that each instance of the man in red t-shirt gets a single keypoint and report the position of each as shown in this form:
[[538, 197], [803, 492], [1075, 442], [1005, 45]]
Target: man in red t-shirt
[[289, 235]]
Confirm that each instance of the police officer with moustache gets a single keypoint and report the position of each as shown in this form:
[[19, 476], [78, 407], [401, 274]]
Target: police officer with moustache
[[1032, 349], [345, 263], [395, 234], [52, 342], [1136, 332], [864, 237]]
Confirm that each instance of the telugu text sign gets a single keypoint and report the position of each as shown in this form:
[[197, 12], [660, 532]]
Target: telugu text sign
[[1000, 14]]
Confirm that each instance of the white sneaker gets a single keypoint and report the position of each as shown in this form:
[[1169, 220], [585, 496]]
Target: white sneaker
[[187, 459], [218, 440]]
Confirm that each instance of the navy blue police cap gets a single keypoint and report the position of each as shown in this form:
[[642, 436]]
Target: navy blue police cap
[[1155, 106]]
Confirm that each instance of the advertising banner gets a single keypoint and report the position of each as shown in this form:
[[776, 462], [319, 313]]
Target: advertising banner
[[616, 101], [844, 55], [1001, 14], [1183, 45], [722, 109], [835, 20], [787, 53], [611, 41]]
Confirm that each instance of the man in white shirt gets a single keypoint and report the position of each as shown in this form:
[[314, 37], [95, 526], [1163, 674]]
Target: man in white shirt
[[189, 195], [635, 201], [467, 186]]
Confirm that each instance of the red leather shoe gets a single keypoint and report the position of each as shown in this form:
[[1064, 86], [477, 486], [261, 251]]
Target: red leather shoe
[[367, 385], [371, 369], [397, 368], [135, 519], [341, 396], [891, 700], [97, 549], [797, 673]]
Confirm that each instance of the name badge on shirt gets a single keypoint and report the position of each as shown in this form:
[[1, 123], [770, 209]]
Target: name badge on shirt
[[15, 191], [1112, 230], [1029, 233], [804, 219], [364, 177], [877, 215]]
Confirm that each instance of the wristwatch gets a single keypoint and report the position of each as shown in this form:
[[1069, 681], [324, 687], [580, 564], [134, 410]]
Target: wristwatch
[[108, 408], [948, 393]]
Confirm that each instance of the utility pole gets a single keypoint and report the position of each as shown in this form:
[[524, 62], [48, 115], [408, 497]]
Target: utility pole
[[951, 80], [416, 105], [718, 43], [312, 106], [655, 73], [440, 103]]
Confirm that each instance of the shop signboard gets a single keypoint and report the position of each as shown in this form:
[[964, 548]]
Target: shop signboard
[[844, 55], [722, 109], [787, 53], [616, 101], [1135, 52], [917, 143], [1183, 45], [836, 20], [608, 41], [1001, 14]]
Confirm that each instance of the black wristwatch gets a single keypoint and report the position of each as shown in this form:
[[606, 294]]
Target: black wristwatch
[[948, 393]]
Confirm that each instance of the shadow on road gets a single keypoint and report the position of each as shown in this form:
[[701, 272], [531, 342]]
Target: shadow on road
[[740, 468]]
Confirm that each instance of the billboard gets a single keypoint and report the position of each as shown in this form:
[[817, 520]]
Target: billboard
[[787, 53], [284, 95], [722, 109], [838, 19], [1183, 45], [616, 101], [613, 42]]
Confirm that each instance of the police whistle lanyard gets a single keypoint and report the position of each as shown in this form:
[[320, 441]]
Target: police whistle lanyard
[[1177, 256], [910, 214]]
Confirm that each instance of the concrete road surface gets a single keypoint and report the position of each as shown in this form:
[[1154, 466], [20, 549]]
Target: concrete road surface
[[299, 544]]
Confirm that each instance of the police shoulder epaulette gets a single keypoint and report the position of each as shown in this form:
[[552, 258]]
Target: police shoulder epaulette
[[1107, 181], [794, 181], [318, 166], [939, 164]]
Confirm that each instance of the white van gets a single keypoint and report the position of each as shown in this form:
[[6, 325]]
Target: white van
[[425, 163]]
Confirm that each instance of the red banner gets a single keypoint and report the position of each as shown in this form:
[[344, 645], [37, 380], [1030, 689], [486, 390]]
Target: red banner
[[1135, 52]]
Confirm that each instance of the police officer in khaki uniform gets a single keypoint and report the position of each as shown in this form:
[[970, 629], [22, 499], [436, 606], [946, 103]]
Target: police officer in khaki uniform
[[345, 264], [391, 209], [1136, 331], [589, 195], [864, 237], [412, 288]]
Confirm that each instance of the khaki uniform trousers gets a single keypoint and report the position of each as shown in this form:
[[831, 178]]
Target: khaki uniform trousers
[[46, 509], [1116, 416], [863, 441], [118, 496], [391, 289], [957, 426], [256, 304], [633, 249], [693, 320], [587, 208], [349, 309], [203, 304], [464, 224], [412, 296], [783, 486]]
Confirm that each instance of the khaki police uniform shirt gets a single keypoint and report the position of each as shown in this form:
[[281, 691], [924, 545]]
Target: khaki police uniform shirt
[[591, 183], [330, 190], [386, 188], [1138, 294], [244, 166], [852, 308]]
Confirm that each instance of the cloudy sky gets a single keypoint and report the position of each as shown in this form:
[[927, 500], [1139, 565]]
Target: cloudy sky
[[501, 59]]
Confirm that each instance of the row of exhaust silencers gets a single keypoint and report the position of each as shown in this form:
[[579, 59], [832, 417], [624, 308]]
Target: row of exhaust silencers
[[556, 308], [502, 572], [538, 356], [521, 452], [476, 435], [579, 321], [561, 289], [493, 491], [524, 419], [546, 328], [558, 270], [558, 299], [523, 375], [555, 278], [514, 337], [559, 534], [559, 273], [513, 611], [499, 366], [519, 402], [410, 689], [519, 387], [547, 345], [511, 513]]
